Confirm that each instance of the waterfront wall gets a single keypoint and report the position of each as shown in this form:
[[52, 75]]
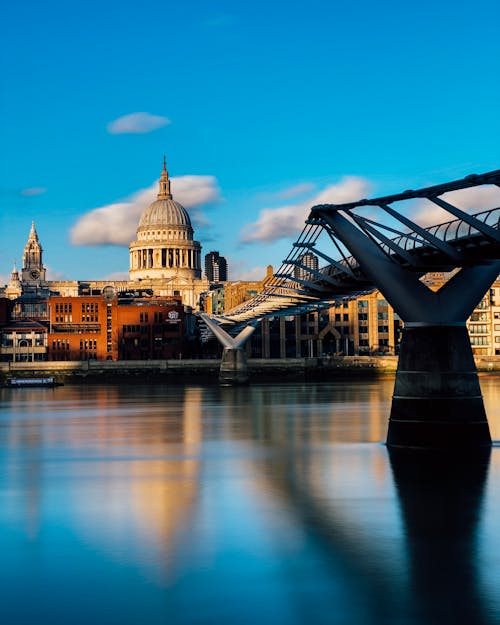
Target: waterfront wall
[[144, 370]]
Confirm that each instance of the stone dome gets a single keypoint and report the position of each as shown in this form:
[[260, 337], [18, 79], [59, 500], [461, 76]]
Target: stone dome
[[164, 213], [165, 248]]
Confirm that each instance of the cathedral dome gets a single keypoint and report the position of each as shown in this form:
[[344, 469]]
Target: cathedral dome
[[165, 248], [164, 212]]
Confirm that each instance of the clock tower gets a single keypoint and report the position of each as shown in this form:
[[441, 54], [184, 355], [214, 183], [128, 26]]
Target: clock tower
[[33, 271]]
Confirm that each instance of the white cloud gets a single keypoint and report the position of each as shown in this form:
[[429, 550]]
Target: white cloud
[[136, 124], [472, 200], [52, 274], [116, 224], [4, 279], [240, 271], [33, 191], [288, 221], [298, 189]]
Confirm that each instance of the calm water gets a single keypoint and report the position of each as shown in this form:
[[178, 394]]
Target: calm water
[[266, 504]]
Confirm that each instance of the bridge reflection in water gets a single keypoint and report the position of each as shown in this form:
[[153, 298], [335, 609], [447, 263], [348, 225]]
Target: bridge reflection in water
[[270, 504]]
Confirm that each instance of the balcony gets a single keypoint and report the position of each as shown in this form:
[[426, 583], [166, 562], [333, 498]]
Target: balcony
[[76, 328]]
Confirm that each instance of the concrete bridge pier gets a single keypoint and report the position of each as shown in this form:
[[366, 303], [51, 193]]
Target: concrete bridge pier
[[437, 400], [234, 367]]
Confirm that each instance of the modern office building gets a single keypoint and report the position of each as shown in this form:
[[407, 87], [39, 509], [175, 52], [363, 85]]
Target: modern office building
[[308, 261], [215, 267]]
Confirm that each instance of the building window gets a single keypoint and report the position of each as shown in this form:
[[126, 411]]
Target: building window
[[479, 340], [478, 329], [479, 316]]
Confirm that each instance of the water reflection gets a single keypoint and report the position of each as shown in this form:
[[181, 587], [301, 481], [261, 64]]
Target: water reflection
[[441, 499], [268, 503], [112, 463]]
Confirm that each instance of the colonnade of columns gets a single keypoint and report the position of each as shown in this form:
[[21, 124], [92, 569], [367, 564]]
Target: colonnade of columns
[[165, 258]]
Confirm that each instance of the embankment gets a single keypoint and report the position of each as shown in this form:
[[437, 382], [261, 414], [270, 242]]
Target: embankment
[[208, 370]]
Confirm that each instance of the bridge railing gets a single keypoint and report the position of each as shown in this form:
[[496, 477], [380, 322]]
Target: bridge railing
[[449, 231], [342, 277]]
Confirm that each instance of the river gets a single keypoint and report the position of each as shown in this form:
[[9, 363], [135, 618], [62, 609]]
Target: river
[[267, 504]]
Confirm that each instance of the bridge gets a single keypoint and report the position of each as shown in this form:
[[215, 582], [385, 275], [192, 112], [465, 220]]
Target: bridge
[[378, 245]]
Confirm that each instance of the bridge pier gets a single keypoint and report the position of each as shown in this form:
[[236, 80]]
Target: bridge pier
[[437, 400], [234, 367]]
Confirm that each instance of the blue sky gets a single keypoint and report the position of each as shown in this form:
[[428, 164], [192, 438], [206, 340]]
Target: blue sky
[[261, 109]]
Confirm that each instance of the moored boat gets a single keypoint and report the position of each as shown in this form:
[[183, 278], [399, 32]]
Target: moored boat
[[31, 382]]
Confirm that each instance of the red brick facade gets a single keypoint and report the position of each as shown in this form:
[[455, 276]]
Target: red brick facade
[[92, 327]]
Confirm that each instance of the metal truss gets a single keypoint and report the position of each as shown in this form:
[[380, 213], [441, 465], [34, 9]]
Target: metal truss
[[465, 241]]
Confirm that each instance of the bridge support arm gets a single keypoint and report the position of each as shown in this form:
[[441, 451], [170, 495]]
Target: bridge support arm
[[437, 400], [234, 366]]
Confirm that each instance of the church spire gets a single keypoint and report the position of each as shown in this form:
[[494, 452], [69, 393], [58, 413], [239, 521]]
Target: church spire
[[164, 192], [33, 233], [33, 269]]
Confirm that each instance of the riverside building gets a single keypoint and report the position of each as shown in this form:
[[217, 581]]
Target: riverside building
[[164, 259], [147, 316]]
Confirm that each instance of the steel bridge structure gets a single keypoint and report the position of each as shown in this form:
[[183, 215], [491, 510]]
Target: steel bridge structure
[[379, 244]]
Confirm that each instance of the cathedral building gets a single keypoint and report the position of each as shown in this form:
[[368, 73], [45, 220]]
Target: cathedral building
[[165, 248], [165, 260]]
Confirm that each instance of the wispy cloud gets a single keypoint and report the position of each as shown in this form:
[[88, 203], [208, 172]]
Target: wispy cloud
[[240, 271], [117, 275], [116, 224], [31, 191], [298, 189], [286, 221], [53, 274], [137, 124]]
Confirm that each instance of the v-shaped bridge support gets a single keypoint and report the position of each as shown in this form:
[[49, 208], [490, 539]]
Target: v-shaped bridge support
[[234, 367], [437, 401]]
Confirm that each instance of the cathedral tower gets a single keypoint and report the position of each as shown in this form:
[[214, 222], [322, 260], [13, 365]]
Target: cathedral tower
[[33, 271]]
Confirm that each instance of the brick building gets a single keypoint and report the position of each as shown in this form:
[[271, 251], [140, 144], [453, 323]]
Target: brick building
[[116, 328]]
